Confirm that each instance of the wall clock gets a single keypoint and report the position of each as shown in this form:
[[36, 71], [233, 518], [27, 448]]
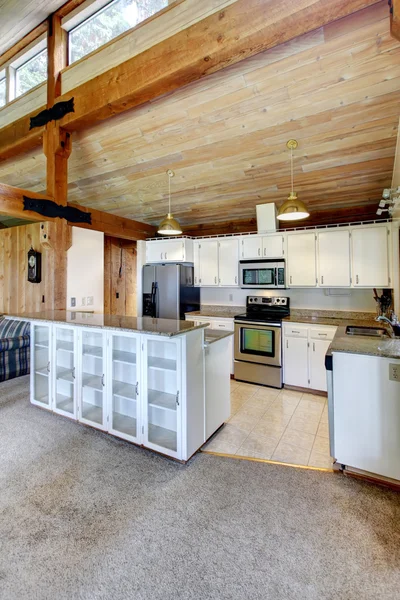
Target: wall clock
[[34, 266]]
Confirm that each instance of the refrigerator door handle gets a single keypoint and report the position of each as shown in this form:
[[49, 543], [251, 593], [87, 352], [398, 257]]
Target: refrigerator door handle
[[156, 301]]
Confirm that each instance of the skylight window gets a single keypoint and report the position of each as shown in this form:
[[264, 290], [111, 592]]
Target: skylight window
[[31, 73], [2, 91], [108, 23]]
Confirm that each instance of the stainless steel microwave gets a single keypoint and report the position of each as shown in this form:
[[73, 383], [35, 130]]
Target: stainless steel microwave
[[262, 274]]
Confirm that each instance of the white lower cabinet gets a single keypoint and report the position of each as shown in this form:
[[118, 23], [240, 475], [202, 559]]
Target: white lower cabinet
[[65, 391], [221, 324], [132, 385], [162, 400], [124, 411], [304, 349], [41, 370]]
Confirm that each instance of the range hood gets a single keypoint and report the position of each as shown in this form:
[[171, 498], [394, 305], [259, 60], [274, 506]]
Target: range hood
[[266, 217]]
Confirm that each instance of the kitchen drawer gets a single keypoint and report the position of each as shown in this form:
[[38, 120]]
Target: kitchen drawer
[[224, 325], [300, 331], [322, 333]]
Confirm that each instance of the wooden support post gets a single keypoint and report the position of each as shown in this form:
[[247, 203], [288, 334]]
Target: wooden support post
[[395, 19], [56, 235]]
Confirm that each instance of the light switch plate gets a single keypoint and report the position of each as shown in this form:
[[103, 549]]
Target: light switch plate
[[83, 303], [394, 372], [73, 302], [89, 300]]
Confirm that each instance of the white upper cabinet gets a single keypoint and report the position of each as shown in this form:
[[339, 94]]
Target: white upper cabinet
[[228, 260], [177, 250], [251, 246], [302, 270], [334, 258], [273, 246], [370, 256], [208, 262]]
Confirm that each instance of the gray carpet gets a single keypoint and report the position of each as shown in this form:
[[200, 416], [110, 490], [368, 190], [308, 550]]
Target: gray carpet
[[86, 516]]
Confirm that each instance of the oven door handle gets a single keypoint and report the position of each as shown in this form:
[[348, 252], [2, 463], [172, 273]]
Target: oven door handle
[[260, 325]]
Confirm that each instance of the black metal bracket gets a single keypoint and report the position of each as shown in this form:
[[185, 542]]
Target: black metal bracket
[[56, 112], [50, 209]]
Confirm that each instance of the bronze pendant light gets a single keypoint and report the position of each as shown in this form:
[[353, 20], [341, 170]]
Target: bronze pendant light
[[293, 209]]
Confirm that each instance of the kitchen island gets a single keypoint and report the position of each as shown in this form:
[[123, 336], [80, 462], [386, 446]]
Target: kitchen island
[[141, 379]]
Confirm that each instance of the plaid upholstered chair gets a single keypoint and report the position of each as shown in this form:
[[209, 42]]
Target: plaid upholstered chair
[[14, 348]]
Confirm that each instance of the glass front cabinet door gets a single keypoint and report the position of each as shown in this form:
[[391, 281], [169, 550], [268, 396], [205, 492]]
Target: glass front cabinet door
[[162, 402], [41, 365], [124, 414], [92, 408], [64, 375]]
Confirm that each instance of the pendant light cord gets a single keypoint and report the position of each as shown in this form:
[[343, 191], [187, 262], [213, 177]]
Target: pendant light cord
[[169, 194], [291, 166]]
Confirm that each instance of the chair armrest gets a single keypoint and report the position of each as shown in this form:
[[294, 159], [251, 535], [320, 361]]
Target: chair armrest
[[14, 343]]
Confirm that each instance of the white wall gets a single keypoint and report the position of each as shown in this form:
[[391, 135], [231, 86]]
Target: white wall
[[85, 270], [361, 300]]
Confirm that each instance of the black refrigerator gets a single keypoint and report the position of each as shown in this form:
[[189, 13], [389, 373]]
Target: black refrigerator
[[168, 291]]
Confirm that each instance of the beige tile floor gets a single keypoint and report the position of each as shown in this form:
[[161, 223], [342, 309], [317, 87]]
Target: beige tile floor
[[281, 425]]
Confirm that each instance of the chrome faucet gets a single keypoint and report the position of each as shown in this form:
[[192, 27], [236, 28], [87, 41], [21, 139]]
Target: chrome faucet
[[392, 322]]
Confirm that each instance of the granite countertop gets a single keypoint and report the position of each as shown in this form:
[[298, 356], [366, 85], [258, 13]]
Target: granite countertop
[[335, 318], [212, 335], [165, 327], [218, 311], [385, 347]]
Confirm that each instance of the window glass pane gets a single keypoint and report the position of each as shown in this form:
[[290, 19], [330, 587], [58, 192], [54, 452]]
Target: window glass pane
[[2, 92], [30, 74], [108, 23]]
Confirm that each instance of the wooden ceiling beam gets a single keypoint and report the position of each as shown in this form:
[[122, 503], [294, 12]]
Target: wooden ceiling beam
[[11, 204], [241, 30], [395, 18]]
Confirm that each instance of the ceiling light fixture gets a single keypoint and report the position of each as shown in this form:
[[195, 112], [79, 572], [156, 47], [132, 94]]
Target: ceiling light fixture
[[293, 209], [169, 225]]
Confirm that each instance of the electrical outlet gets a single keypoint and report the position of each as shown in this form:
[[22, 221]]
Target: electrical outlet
[[117, 295], [394, 372], [73, 302], [83, 303], [89, 300]]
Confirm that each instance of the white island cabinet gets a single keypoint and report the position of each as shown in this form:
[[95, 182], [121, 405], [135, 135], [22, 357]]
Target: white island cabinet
[[141, 379]]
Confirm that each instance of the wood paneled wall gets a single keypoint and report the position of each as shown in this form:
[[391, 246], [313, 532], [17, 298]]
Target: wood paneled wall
[[17, 294], [120, 262]]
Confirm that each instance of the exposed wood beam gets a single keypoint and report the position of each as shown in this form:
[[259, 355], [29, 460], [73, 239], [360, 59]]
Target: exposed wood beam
[[11, 203], [17, 137], [395, 18], [68, 7], [235, 33]]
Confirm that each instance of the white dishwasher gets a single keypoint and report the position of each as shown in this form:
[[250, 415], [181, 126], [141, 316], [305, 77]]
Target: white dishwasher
[[366, 403]]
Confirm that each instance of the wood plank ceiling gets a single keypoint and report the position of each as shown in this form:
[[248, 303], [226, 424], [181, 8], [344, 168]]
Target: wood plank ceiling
[[19, 17], [336, 90]]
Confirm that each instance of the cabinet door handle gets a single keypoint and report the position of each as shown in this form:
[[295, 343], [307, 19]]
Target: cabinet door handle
[[322, 334], [235, 278], [259, 252], [287, 343], [313, 346], [219, 280], [322, 279], [165, 256], [356, 278], [137, 389], [290, 279], [215, 280], [295, 331], [195, 279], [102, 380], [177, 398], [48, 367], [73, 373]]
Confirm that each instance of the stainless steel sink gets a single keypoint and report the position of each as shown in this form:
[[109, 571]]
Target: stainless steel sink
[[367, 331]]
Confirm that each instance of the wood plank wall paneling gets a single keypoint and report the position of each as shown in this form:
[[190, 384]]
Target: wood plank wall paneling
[[120, 254], [336, 90], [16, 293]]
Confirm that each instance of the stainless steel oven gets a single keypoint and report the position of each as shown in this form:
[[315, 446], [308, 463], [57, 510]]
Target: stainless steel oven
[[262, 274], [258, 342]]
